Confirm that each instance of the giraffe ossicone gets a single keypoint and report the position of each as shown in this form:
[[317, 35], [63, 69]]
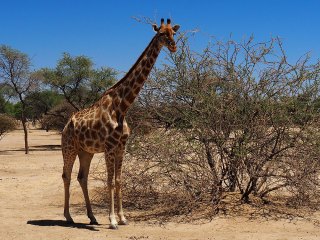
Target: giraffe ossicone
[[103, 128]]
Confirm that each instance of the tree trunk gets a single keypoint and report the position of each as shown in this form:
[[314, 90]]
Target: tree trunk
[[216, 190], [24, 125], [250, 187], [232, 175]]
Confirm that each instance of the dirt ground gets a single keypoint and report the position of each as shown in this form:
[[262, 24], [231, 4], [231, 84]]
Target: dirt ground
[[31, 199]]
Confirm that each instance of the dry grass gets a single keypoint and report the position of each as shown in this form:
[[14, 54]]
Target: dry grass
[[149, 196]]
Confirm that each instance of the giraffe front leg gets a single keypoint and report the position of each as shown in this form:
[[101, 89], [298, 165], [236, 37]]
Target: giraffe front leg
[[118, 172], [110, 160]]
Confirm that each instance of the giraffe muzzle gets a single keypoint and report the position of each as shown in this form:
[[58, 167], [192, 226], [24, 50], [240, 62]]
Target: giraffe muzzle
[[172, 48]]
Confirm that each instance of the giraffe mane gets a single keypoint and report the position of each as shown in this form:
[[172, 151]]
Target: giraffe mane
[[131, 69]]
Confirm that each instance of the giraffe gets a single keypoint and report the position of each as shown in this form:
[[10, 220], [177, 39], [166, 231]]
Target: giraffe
[[103, 128]]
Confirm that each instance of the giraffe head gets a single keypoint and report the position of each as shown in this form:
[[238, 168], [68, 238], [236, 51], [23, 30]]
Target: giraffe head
[[165, 34]]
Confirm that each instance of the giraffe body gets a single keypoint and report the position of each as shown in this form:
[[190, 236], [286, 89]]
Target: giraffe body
[[94, 127], [103, 128]]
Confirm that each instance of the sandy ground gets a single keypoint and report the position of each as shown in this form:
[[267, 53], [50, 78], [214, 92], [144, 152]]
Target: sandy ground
[[31, 199]]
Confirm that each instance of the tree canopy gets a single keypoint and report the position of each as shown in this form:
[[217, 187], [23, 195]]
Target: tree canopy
[[79, 82]]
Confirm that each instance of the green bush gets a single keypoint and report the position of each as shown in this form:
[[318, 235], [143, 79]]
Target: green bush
[[7, 124], [57, 117]]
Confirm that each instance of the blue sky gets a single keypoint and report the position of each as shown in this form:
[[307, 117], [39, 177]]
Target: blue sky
[[106, 32]]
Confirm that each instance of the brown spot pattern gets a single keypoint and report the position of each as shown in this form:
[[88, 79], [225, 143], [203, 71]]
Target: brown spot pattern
[[130, 97], [124, 106]]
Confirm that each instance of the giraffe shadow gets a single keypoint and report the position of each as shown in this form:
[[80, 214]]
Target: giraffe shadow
[[61, 223]]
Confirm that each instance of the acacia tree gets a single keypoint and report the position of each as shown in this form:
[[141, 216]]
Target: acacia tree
[[77, 80], [249, 116], [16, 76]]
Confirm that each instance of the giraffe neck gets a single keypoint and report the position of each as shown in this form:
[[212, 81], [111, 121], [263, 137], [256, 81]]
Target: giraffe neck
[[128, 88]]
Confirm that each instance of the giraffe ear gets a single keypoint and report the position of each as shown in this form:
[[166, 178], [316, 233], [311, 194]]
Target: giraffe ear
[[175, 28], [155, 27]]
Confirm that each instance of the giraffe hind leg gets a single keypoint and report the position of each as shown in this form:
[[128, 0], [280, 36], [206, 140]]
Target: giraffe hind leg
[[85, 161], [68, 159]]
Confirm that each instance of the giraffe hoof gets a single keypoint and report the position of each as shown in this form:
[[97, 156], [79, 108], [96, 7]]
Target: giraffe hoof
[[123, 222], [94, 222], [70, 221], [113, 226]]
